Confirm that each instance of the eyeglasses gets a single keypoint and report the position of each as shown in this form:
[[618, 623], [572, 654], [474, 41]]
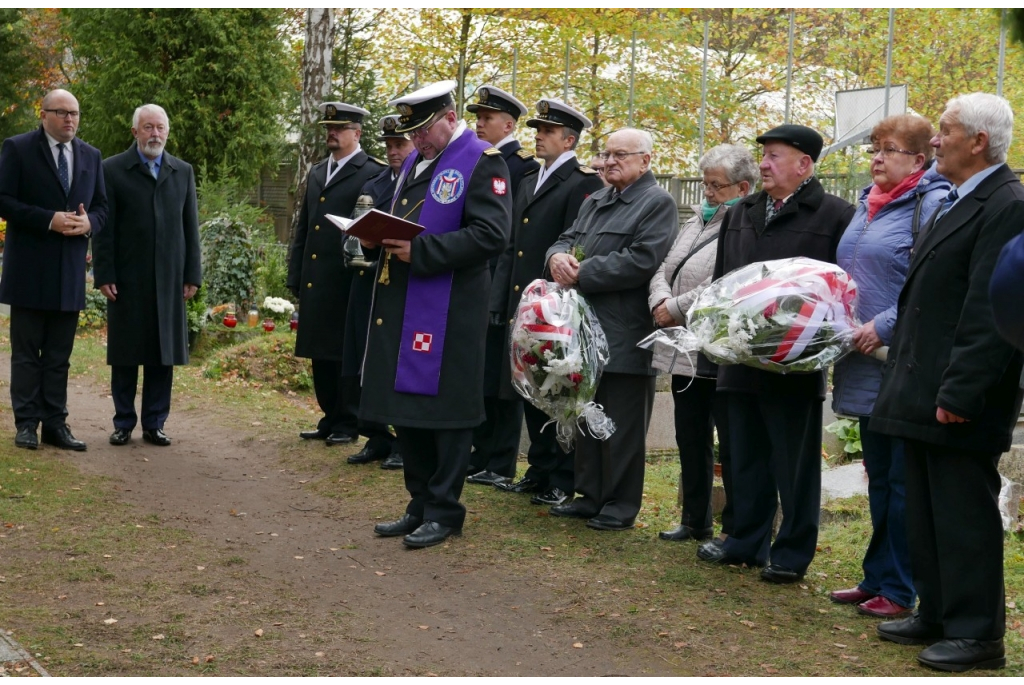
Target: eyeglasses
[[889, 151], [617, 156], [422, 130], [62, 113], [715, 187]]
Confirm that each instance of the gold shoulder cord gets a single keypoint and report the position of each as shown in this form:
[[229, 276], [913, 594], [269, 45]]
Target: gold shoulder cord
[[385, 274]]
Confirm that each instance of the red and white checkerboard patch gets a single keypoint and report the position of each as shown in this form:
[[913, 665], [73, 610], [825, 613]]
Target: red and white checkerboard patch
[[421, 342], [500, 185]]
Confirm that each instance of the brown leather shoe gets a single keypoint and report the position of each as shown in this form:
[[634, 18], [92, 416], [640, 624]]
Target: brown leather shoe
[[881, 607], [852, 596]]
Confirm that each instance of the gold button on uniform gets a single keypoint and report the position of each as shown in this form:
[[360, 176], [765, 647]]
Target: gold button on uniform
[[405, 201], [317, 227], [314, 257], [309, 285], [380, 321], [361, 272], [526, 219], [511, 322], [321, 199], [516, 288], [520, 253]]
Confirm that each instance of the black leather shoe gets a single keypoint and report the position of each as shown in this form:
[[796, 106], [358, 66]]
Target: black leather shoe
[[714, 552], [487, 478], [156, 436], [364, 456], [773, 573], [571, 509], [910, 631], [682, 533], [522, 485], [403, 526], [314, 435], [340, 439], [392, 462], [961, 655], [551, 497], [120, 436], [62, 438], [429, 534], [606, 522], [26, 438]]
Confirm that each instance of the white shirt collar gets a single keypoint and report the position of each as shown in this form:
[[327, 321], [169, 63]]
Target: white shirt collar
[[424, 163], [506, 140], [546, 171]]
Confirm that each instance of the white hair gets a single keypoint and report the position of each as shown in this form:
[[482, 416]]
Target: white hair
[[149, 108], [989, 113], [643, 138], [735, 160]]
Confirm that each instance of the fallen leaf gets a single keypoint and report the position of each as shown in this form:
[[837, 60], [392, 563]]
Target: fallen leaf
[[195, 661], [256, 423], [158, 636], [822, 611], [862, 636], [99, 604], [662, 634], [577, 645], [680, 645], [319, 654], [737, 612], [1011, 605], [209, 658], [278, 624], [839, 645], [333, 549], [545, 549], [200, 568], [422, 627], [110, 621], [380, 573], [749, 624], [615, 615], [78, 644], [259, 632], [300, 558], [107, 556]]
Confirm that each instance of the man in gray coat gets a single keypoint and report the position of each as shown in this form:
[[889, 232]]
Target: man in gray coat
[[624, 232], [147, 263]]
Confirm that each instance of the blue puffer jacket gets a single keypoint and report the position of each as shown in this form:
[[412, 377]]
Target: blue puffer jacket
[[876, 254]]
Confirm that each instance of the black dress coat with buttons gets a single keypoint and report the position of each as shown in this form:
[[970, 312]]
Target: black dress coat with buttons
[[538, 218], [483, 233], [945, 350], [809, 225], [316, 265], [149, 249]]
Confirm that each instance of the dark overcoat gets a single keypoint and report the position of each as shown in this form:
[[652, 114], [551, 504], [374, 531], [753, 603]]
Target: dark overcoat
[[519, 163], [945, 350], [538, 218], [316, 265], [357, 317], [809, 225], [149, 250], [483, 233], [43, 269], [625, 238]]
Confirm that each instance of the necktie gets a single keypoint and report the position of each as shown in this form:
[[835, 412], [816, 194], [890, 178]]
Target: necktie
[[152, 168], [778, 205], [62, 168], [946, 204]]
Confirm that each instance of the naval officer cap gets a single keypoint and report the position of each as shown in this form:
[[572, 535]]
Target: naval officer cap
[[339, 113], [491, 97], [389, 128], [419, 107], [554, 112], [804, 139]]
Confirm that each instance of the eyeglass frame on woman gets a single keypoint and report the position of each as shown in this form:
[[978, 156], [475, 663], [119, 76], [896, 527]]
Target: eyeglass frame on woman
[[617, 156], [63, 113], [888, 152], [715, 187]]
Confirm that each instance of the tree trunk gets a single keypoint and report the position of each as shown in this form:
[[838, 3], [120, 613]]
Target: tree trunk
[[316, 85], [467, 24]]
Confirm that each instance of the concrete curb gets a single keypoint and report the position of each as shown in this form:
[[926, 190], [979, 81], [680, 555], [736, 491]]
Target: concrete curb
[[12, 651]]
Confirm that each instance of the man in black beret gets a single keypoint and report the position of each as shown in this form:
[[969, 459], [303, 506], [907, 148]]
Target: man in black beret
[[774, 419]]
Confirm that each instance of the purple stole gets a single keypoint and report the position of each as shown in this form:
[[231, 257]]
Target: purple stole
[[427, 297]]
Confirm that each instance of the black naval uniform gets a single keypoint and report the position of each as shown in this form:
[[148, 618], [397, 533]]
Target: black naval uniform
[[435, 432], [496, 440], [318, 277], [538, 218]]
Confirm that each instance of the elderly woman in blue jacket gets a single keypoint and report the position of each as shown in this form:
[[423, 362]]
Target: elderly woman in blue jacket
[[875, 251]]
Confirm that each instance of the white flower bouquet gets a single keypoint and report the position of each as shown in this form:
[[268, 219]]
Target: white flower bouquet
[[558, 351], [783, 315], [277, 308]]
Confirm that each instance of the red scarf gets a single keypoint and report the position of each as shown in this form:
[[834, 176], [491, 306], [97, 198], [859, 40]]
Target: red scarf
[[878, 199]]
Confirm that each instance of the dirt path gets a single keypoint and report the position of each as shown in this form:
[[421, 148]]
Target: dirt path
[[377, 607]]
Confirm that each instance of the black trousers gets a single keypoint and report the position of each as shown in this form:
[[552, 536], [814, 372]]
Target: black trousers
[[496, 440], [329, 387], [698, 410], [549, 464], [610, 473], [156, 395], [776, 459], [379, 437], [41, 344], [956, 539], [435, 463]]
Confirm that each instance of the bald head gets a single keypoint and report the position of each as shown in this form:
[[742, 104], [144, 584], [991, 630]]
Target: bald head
[[627, 157], [59, 115]]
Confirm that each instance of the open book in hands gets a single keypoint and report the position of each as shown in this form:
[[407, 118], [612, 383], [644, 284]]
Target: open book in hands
[[375, 226]]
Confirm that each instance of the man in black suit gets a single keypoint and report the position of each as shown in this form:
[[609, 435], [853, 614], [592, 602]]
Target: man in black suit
[[424, 365], [316, 267], [53, 197], [380, 442], [545, 207], [951, 389], [147, 262], [496, 440]]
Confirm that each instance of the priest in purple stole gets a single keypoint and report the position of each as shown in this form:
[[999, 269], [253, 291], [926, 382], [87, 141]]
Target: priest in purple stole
[[424, 363]]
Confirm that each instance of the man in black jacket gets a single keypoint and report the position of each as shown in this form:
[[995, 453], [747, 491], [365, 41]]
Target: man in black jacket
[[775, 420], [951, 389], [316, 267]]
